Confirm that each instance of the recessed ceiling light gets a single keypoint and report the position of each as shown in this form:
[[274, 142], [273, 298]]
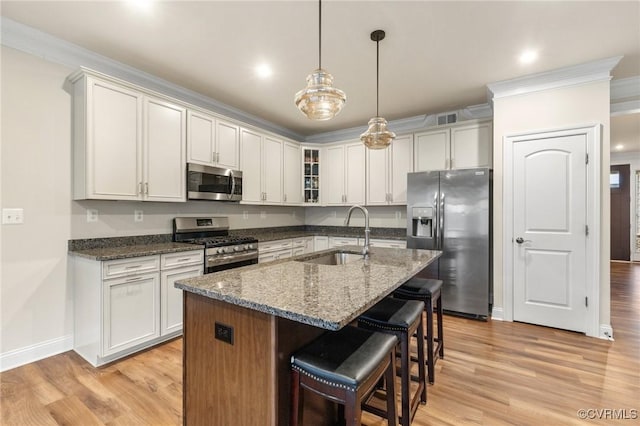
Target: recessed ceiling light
[[264, 71], [141, 5], [619, 147], [528, 56]]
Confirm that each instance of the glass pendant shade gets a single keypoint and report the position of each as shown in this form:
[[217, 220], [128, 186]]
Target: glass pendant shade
[[377, 135], [320, 100]]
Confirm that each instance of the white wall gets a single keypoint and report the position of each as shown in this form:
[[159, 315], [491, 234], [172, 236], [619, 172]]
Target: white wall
[[36, 311], [36, 164], [633, 159], [549, 110]]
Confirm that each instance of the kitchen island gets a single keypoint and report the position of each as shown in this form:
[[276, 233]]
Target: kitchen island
[[241, 325]]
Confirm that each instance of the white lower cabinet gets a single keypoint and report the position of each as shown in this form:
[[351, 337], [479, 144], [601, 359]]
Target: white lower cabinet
[[131, 312], [320, 242], [274, 250], [374, 242], [342, 241], [125, 305]]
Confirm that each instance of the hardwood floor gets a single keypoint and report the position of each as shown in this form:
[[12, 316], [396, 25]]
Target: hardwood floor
[[494, 373]]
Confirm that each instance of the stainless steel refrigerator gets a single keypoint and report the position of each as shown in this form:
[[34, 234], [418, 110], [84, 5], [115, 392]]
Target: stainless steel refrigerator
[[450, 210]]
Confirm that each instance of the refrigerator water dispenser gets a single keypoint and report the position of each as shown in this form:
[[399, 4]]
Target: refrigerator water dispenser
[[422, 222]]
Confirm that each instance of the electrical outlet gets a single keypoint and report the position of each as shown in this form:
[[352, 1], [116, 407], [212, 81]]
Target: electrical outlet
[[245, 215], [398, 215], [138, 216], [12, 216], [263, 215], [224, 332], [92, 215]]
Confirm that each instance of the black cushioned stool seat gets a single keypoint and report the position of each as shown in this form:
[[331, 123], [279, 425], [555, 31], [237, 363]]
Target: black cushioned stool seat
[[428, 291], [402, 319], [344, 366]]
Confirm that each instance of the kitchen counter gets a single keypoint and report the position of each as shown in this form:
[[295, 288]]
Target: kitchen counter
[[325, 296], [242, 325], [285, 232], [127, 251]]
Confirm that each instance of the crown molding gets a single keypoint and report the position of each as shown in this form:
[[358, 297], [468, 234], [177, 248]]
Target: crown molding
[[589, 72], [625, 88], [42, 45], [624, 108]]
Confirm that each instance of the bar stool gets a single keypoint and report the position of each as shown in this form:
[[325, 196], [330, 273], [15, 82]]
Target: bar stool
[[344, 366], [402, 319], [428, 291]]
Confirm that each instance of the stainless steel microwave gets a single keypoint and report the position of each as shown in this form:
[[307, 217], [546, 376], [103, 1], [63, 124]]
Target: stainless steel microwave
[[213, 183]]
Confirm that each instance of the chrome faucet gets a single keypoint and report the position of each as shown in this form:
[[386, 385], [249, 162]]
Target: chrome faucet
[[365, 249]]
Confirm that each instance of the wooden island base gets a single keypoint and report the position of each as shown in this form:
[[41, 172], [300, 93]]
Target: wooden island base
[[247, 382]]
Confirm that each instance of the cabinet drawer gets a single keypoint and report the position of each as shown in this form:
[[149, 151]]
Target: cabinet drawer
[[274, 245], [342, 241], [298, 242], [388, 243], [173, 260], [274, 255], [136, 265], [297, 251]]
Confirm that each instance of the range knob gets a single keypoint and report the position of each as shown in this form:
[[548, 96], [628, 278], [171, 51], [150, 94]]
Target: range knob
[[220, 251], [237, 248]]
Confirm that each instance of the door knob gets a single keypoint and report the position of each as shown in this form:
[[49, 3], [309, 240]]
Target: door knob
[[521, 240]]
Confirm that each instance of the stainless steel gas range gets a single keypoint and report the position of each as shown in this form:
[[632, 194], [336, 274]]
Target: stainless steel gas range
[[222, 251]]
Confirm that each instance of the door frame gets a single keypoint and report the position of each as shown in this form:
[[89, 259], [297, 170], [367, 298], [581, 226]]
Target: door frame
[[593, 133]]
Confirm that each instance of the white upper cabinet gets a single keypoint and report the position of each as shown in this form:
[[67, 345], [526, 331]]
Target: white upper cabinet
[[164, 146], [387, 172], [261, 165], [344, 174], [127, 145], [212, 142], [459, 147], [471, 146], [291, 174]]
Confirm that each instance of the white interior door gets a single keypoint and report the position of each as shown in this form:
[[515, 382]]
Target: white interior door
[[549, 231]]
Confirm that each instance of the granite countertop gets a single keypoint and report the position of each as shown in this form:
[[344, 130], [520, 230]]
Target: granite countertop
[[127, 251], [282, 233], [325, 296]]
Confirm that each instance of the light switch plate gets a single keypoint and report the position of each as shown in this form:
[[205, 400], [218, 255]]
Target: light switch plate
[[12, 216], [138, 216]]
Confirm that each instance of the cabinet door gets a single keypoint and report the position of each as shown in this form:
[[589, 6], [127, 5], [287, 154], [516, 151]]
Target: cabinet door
[[401, 163], [333, 176], [250, 151], [201, 130], [227, 145], [471, 146], [164, 151], [114, 142], [131, 312], [171, 297], [432, 150], [292, 174], [378, 176], [355, 173], [308, 245], [272, 170], [320, 243]]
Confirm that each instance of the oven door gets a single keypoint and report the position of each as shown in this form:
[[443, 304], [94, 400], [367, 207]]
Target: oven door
[[213, 183], [217, 263]]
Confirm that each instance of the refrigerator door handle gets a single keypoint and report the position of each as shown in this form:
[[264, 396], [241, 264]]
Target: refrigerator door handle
[[441, 222], [436, 221]]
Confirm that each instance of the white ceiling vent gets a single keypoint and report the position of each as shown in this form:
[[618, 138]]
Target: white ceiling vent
[[447, 118]]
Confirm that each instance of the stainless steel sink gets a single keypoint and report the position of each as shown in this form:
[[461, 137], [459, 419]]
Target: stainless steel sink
[[339, 258]]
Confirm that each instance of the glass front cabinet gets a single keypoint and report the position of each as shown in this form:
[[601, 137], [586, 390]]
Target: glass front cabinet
[[311, 183]]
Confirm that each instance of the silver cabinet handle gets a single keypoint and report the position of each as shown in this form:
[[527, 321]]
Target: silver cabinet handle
[[140, 188], [146, 188], [133, 279], [285, 198]]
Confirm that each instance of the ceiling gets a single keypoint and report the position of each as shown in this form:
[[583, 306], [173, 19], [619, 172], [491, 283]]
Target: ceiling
[[437, 56]]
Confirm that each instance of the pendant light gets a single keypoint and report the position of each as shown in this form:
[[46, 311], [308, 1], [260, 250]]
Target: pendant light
[[320, 100], [377, 135]]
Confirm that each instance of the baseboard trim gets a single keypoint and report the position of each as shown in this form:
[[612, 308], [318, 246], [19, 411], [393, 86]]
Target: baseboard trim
[[606, 332], [28, 354], [497, 314]]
